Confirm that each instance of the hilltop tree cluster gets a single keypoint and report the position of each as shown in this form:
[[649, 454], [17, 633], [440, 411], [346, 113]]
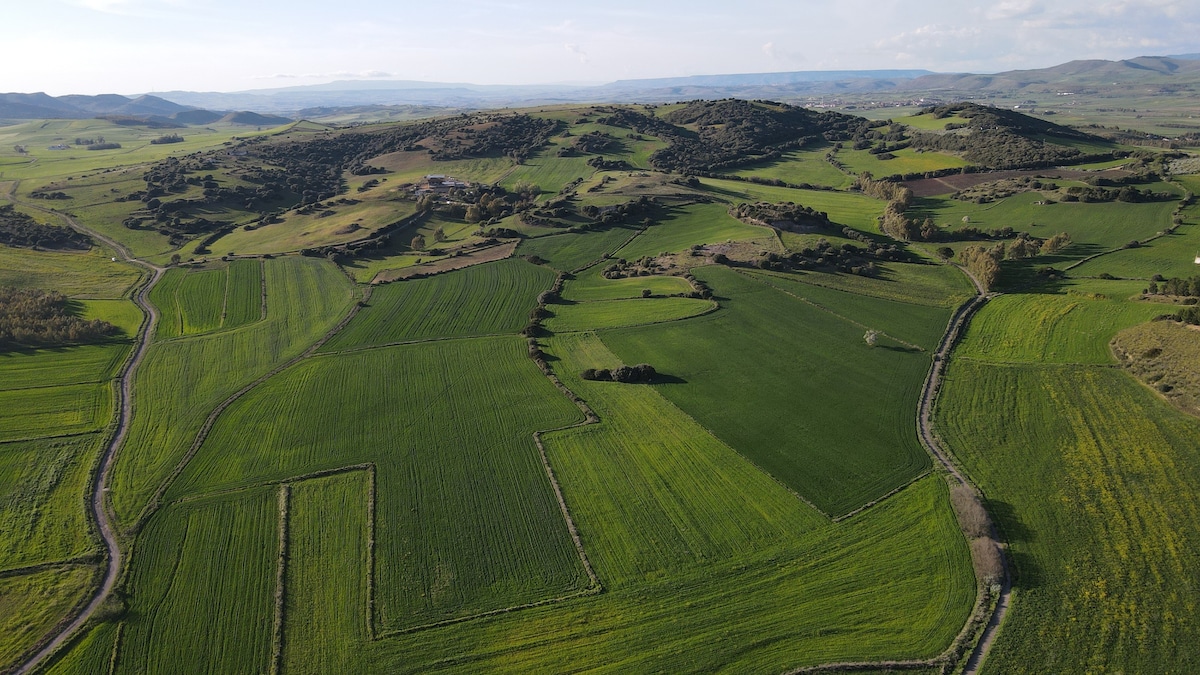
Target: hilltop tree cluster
[[784, 216], [36, 318], [21, 230]]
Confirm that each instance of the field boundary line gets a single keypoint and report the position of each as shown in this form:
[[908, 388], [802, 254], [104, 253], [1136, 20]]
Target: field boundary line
[[420, 341], [299, 478], [85, 560], [58, 436], [114, 656], [713, 307], [285, 493], [879, 500], [100, 517], [823, 308]]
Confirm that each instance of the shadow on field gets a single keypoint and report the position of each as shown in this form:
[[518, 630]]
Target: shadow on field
[[1027, 573], [668, 379]]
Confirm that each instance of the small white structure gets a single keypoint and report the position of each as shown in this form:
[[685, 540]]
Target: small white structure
[[1198, 260]]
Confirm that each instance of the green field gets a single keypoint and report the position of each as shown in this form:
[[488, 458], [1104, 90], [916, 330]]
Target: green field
[[599, 314], [42, 484], [801, 166], [177, 386], [78, 275], [801, 370], [202, 299], [569, 252], [905, 161], [1094, 482], [591, 285], [844, 208], [689, 225], [30, 604], [466, 521], [205, 575], [54, 411], [481, 300], [1063, 328]]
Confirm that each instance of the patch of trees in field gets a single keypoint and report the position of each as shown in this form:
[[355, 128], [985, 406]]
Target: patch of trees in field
[[37, 318], [787, 216], [1179, 286], [166, 139], [639, 374], [21, 230]]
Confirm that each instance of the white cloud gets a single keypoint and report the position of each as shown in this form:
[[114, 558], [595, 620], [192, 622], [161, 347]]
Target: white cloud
[[1013, 9], [577, 51]]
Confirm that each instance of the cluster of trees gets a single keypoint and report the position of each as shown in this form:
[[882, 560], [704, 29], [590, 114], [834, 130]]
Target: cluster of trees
[[983, 263], [622, 268], [1181, 286], [1127, 193], [596, 143], [784, 216], [641, 373], [608, 164], [21, 230], [987, 192], [706, 136], [53, 195], [37, 318], [167, 139], [848, 258]]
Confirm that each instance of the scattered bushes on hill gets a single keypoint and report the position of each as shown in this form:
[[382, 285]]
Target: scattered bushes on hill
[[20, 230], [36, 318]]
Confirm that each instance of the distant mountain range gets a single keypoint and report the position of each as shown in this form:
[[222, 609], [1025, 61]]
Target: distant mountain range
[[150, 109], [275, 106]]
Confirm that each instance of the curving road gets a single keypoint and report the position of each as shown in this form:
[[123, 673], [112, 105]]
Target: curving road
[[99, 484]]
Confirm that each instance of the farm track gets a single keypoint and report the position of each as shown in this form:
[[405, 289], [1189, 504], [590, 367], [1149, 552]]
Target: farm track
[[100, 512]]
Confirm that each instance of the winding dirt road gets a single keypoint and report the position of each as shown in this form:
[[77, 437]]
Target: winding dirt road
[[99, 485]]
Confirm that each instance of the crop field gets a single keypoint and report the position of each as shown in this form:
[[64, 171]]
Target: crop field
[[801, 166], [54, 411], [1093, 227], [918, 324], [192, 301], [205, 576], [922, 284], [590, 285], [41, 485], [466, 519], [928, 122], [90, 655], [326, 575], [37, 368], [123, 314], [30, 604], [481, 300], [844, 208], [78, 275], [1072, 327], [306, 297], [689, 225], [789, 352], [571, 251], [597, 314], [1094, 482], [412, 165]]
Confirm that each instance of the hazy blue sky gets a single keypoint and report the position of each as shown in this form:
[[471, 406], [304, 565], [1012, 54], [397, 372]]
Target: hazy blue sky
[[133, 46]]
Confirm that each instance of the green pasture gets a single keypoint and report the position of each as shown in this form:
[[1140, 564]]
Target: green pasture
[[908, 160], [31, 604], [54, 411], [1093, 480], [801, 373], [597, 314], [38, 368], [296, 232], [1067, 327], [202, 299], [590, 285], [482, 300], [800, 166], [914, 323], [844, 208], [177, 386], [78, 275], [686, 226], [1093, 227], [1171, 255], [466, 521], [571, 251], [42, 486], [89, 655]]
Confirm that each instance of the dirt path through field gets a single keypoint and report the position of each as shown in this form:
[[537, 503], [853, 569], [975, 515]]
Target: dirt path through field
[[99, 488]]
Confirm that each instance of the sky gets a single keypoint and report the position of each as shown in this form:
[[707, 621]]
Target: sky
[[137, 46]]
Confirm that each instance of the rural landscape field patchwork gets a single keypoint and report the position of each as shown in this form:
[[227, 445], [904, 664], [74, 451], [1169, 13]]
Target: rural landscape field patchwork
[[706, 386]]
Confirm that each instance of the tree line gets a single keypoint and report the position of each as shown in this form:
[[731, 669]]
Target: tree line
[[37, 318]]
